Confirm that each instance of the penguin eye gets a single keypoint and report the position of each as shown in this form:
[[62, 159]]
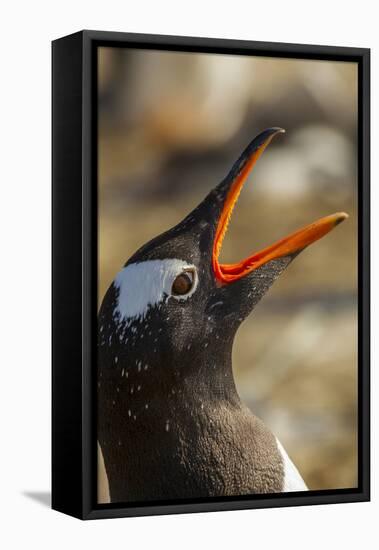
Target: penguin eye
[[183, 283]]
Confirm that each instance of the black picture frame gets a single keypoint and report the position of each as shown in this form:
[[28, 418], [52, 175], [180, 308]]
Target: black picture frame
[[74, 271]]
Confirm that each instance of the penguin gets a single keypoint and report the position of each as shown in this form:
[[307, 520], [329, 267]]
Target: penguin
[[171, 424]]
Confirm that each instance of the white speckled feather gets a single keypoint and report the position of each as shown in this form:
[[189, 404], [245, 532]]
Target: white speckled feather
[[146, 284]]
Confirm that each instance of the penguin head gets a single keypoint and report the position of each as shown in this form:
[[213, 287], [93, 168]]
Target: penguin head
[[174, 301]]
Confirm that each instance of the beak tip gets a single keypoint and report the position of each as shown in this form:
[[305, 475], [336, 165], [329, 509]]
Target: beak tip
[[340, 217], [263, 139], [274, 131]]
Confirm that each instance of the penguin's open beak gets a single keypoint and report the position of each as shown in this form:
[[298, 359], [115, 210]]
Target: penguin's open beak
[[228, 192]]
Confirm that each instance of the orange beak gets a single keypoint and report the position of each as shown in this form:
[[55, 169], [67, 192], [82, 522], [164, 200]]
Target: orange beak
[[290, 245]]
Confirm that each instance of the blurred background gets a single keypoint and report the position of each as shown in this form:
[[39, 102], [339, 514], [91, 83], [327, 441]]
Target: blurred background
[[170, 127]]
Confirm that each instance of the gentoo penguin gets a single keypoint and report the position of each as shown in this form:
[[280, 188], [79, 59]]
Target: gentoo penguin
[[170, 422]]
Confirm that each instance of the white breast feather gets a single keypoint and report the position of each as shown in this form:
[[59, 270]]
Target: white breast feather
[[292, 479]]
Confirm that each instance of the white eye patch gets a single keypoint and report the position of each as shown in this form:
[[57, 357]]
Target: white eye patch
[[146, 284]]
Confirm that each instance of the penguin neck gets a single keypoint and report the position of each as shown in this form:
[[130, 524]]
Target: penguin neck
[[209, 376], [158, 411], [198, 372]]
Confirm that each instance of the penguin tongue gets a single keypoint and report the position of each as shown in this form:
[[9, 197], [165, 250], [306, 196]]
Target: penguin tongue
[[293, 243]]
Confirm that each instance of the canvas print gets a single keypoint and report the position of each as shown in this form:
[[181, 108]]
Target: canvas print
[[212, 381]]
